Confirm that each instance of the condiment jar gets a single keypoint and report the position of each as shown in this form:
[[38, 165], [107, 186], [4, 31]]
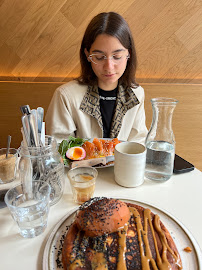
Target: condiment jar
[[8, 165], [42, 163]]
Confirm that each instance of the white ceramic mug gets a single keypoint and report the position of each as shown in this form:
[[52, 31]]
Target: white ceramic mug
[[129, 164]]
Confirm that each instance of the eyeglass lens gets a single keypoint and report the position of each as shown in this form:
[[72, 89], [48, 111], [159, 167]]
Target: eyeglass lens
[[99, 58]]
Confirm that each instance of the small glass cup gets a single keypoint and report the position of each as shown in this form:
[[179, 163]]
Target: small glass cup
[[82, 180], [8, 165], [30, 212]]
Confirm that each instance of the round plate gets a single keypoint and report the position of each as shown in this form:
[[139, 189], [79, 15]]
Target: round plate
[[111, 164], [180, 234]]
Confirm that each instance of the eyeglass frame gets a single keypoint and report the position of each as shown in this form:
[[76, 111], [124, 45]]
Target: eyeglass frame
[[105, 57]]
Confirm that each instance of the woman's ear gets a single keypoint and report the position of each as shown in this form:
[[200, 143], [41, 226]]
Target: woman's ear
[[87, 54]]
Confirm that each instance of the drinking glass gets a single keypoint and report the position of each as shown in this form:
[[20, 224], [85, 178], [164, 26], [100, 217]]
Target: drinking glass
[[82, 180], [30, 212]]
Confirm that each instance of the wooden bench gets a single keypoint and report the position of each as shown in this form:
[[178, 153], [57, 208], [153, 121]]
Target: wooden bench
[[187, 117]]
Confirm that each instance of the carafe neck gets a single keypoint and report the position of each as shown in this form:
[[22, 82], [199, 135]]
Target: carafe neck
[[161, 127]]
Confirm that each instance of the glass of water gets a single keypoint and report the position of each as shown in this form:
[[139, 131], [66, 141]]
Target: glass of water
[[30, 211]]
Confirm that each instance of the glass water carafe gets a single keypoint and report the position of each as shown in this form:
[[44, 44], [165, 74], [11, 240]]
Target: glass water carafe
[[160, 141]]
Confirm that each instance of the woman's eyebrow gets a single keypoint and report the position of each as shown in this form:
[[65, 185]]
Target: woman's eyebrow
[[99, 51]]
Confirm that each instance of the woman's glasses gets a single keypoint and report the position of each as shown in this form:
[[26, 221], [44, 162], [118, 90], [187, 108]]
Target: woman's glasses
[[116, 58]]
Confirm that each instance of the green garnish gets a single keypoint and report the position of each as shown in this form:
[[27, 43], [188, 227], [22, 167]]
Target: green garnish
[[66, 144]]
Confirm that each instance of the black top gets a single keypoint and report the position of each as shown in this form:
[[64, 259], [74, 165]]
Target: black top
[[107, 106]]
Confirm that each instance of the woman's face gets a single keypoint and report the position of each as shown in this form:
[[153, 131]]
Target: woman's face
[[108, 71]]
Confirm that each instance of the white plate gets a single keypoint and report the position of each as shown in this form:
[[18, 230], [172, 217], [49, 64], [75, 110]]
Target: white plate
[[180, 234], [101, 166]]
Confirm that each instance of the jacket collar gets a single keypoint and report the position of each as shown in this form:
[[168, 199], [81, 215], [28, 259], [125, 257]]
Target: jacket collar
[[126, 99], [91, 104]]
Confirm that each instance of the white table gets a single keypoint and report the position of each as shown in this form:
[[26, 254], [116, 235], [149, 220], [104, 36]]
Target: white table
[[181, 196]]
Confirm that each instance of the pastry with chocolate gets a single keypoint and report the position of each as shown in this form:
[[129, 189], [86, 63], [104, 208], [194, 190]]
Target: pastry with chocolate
[[110, 234]]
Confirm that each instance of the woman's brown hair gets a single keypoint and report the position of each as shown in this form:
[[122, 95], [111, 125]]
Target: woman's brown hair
[[112, 24]]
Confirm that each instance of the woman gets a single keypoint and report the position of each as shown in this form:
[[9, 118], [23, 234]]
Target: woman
[[105, 101]]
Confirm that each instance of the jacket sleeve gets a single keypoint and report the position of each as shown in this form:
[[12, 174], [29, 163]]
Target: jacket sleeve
[[59, 122], [139, 130]]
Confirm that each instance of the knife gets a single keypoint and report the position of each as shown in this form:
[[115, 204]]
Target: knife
[[92, 162], [26, 129], [30, 125], [40, 114]]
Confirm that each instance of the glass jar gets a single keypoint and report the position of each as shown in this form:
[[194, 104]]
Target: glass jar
[[160, 141], [42, 163]]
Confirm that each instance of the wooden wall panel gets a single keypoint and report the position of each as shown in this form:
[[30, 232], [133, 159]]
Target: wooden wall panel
[[40, 39], [40, 42], [187, 117], [14, 95], [32, 25], [43, 48]]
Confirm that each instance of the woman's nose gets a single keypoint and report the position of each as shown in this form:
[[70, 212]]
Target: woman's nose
[[108, 63]]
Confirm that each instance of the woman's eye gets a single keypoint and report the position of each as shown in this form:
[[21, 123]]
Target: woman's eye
[[117, 56], [99, 57]]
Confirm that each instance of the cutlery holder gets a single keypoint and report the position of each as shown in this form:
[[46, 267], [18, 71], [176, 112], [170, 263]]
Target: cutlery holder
[[42, 163]]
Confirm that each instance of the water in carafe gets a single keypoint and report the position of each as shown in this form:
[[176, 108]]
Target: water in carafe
[[160, 141]]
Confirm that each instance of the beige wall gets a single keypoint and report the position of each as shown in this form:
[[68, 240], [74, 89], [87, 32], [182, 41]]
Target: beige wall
[[39, 40]]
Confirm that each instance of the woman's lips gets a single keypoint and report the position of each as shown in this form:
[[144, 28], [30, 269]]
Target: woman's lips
[[109, 75]]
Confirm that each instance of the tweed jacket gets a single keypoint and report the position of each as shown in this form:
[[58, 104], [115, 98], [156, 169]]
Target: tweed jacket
[[75, 110]]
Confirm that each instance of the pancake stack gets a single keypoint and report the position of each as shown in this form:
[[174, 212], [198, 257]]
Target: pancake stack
[[111, 234]]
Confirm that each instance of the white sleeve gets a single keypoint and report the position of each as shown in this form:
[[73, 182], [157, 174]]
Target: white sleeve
[[139, 130], [59, 122]]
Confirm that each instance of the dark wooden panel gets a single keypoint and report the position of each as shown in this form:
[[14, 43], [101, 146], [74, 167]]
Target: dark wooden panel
[[12, 96], [187, 117]]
